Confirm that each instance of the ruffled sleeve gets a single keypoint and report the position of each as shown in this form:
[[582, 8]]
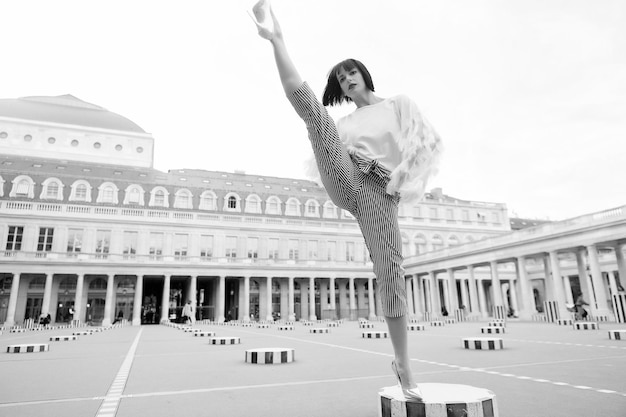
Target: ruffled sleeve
[[421, 149]]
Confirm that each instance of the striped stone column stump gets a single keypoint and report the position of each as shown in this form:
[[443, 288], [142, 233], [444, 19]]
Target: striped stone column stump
[[306, 323], [190, 330], [97, 329], [204, 333], [492, 330], [375, 335], [263, 326], [319, 330], [564, 322], [246, 325], [366, 325], [483, 343], [496, 323], [225, 340], [82, 333], [617, 334], [437, 323], [440, 400], [600, 318], [17, 331], [63, 338], [586, 325], [413, 320], [415, 327], [286, 327], [270, 356], [450, 321], [539, 317], [28, 348], [332, 324]]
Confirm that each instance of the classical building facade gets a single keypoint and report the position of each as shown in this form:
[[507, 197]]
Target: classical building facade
[[90, 231]]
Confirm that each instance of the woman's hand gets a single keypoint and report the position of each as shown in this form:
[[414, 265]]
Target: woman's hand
[[265, 21]]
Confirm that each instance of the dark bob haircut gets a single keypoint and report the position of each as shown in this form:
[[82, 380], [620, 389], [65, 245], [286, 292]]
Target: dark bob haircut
[[332, 93]]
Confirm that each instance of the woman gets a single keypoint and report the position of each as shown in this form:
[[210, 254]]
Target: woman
[[381, 151]]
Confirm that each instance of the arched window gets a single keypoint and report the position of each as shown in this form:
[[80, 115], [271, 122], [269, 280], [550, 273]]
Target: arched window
[[81, 191], [159, 197], [208, 201], [312, 208], [406, 247], [134, 195], [52, 189], [293, 207], [38, 283], [98, 284], [23, 186], [437, 242], [330, 210], [232, 202], [253, 204], [272, 205], [183, 199], [453, 241], [420, 244], [107, 193]]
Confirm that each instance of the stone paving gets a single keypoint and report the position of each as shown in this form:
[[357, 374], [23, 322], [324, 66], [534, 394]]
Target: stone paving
[[544, 370]]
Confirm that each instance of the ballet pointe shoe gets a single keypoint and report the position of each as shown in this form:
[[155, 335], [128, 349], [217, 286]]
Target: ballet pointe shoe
[[262, 17], [410, 394]]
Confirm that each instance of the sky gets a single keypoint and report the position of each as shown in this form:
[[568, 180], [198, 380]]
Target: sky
[[529, 96]]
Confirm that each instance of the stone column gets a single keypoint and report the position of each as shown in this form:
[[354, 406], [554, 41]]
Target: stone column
[[471, 281], [417, 297], [221, 300], [360, 296], [482, 299], [495, 285], [291, 302], [585, 281], [598, 282], [246, 298], [15, 287], [371, 299], [137, 301], [528, 303], [454, 297], [312, 315], [323, 298], [557, 284], [446, 296], [47, 294], [612, 284], [464, 296], [108, 301], [352, 299], [78, 298], [513, 295], [304, 300], [165, 299], [435, 308], [268, 301], [409, 296], [333, 296], [567, 286], [193, 296], [621, 264]]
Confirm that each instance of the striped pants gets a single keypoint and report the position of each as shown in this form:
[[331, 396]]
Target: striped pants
[[359, 186]]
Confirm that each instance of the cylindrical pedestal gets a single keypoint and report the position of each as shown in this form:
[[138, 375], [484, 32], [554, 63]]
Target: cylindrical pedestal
[[415, 327], [617, 334], [438, 323], [62, 338], [204, 333], [82, 333], [586, 325], [319, 330], [375, 335], [483, 343], [285, 327], [332, 324], [366, 325], [37, 347], [190, 330], [492, 330], [619, 307], [263, 326], [270, 355], [224, 340], [440, 400]]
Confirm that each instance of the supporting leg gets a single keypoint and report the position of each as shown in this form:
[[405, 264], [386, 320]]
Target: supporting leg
[[399, 339]]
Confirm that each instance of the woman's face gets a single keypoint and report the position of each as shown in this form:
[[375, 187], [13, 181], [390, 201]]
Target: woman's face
[[351, 81]]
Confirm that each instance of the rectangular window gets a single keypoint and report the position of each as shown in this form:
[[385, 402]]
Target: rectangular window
[[206, 246], [181, 245], [130, 245], [231, 247], [81, 193], [331, 250], [433, 213], [44, 244], [272, 249], [103, 243], [417, 211], [253, 247], [449, 214], [155, 249], [495, 217], [465, 215], [312, 249], [14, 239], [74, 240], [293, 249], [350, 251]]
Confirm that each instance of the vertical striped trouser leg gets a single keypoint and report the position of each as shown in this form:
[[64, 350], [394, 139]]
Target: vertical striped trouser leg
[[377, 214]]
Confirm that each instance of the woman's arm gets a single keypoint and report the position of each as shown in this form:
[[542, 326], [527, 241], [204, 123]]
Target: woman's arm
[[289, 76]]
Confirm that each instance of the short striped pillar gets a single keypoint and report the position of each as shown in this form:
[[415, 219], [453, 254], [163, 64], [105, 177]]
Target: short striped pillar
[[496, 323], [414, 320], [415, 327], [204, 334], [552, 311], [306, 323], [319, 330], [617, 334], [375, 335], [493, 330], [190, 330], [29, 348], [63, 338], [586, 325], [17, 331], [332, 324], [82, 333], [440, 400], [263, 326], [246, 324], [539, 317], [619, 307], [285, 327], [483, 343], [564, 322], [499, 312], [437, 323], [270, 355], [366, 325], [224, 340], [450, 321]]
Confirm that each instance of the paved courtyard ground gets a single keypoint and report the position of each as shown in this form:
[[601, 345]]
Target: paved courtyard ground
[[544, 370]]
